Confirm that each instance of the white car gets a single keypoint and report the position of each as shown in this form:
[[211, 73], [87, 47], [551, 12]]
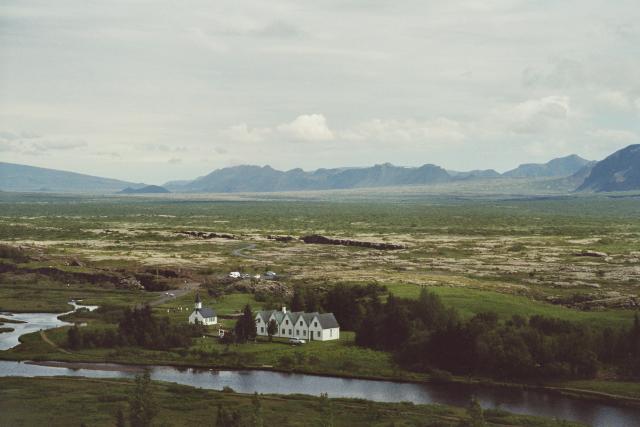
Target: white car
[[296, 341], [234, 274]]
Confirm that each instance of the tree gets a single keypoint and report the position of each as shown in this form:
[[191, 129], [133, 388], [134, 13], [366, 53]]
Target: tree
[[142, 405], [120, 421], [246, 326], [258, 420], [326, 411], [228, 417], [74, 338], [297, 301], [475, 413], [272, 329]]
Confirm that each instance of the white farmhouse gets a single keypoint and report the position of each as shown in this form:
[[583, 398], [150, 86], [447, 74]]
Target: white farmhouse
[[202, 315], [306, 326]]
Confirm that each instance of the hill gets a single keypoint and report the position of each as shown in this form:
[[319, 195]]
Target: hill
[[267, 179], [148, 189], [14, 177], [560, 167], [618, 172]]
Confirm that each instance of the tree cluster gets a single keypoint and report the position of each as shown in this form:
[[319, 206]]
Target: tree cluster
[[424, 334], [137, 327]]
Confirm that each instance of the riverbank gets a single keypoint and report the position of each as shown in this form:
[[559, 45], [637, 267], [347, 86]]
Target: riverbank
[[95, 402], [575, 392]]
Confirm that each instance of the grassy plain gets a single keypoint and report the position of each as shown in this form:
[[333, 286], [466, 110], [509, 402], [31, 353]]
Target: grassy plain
[[37, 401], [509, 254]]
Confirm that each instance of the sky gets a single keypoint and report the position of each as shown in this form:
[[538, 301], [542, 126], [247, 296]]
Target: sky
[[152, 91]]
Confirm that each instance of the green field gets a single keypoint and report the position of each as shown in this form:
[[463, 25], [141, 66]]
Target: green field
[[94, 402]]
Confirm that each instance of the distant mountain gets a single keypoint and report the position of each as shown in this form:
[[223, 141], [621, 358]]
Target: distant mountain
[[618, 172], [560, 167], [264, 179], [474, 174], [14, 177], [148, 189]]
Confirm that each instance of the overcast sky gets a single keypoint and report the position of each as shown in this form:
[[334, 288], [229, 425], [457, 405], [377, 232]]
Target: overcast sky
[[157, 90]]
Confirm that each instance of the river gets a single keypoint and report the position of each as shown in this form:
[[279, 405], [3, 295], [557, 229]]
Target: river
[[533, 402]]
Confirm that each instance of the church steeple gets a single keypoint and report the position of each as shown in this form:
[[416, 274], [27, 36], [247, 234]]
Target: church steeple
[[198, 303]]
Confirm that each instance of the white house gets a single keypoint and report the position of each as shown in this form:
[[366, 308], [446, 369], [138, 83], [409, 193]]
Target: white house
[[306, 326], [202, 315]]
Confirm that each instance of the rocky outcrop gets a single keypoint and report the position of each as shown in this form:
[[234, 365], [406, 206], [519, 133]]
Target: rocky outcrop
[[205, 235], [323, 240], [594, 254], [281, 238]]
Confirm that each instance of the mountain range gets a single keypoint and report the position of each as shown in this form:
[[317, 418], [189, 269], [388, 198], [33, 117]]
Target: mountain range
[[618, 172], [15, 177]]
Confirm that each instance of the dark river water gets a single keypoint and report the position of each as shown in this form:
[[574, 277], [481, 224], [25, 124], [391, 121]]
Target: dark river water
[[542, 403]]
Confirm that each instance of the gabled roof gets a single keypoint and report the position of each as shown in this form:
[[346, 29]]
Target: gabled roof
[[206, 312], [328, 321]]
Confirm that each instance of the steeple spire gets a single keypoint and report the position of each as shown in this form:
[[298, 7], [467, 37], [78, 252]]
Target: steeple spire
[[198, 303]]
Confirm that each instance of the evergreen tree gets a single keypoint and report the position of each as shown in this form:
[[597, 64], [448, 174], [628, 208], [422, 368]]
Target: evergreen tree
[[120, 420], [475, 413], [228, 417], [246, 326], [258, 420], [326, 411], [142, 405], [272, 329], [297, 301]]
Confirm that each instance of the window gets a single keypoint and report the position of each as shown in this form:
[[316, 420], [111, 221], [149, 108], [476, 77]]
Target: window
[[315, 324], [262, 330], [301, 323], [318, 334], [283, 332], [289, 331], [304, 333], [297, 332], [286, 322], [330, 332]]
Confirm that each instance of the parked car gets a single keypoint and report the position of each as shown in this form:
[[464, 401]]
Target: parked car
[[296, 341], [234, 274]]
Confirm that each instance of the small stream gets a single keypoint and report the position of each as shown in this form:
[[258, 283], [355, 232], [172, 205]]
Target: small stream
[[33, 322], [532, 402]]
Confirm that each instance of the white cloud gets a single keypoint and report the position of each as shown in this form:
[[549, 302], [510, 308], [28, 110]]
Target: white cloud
[[307, 127], [534, 116]]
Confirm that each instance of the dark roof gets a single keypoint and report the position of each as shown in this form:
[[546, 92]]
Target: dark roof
[[328, 320], [207, 312]]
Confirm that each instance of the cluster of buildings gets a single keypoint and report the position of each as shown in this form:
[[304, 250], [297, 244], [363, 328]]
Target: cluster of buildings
[[299, 325], [269, 275]]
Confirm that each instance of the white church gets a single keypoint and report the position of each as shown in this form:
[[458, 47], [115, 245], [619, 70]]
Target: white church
[[306, 326], [202, 315]]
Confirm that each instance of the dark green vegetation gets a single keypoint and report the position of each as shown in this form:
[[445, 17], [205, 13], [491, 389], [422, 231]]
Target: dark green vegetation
[[37, 401]]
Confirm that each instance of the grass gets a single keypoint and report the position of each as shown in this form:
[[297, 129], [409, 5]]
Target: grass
[[37, 401], [53, 298], [473, 301]]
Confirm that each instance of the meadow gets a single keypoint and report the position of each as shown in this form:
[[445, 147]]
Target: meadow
[[33, 401], [496, 252]]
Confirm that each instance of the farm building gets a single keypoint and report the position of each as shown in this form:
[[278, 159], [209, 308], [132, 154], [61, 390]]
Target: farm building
[[306, 326]]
